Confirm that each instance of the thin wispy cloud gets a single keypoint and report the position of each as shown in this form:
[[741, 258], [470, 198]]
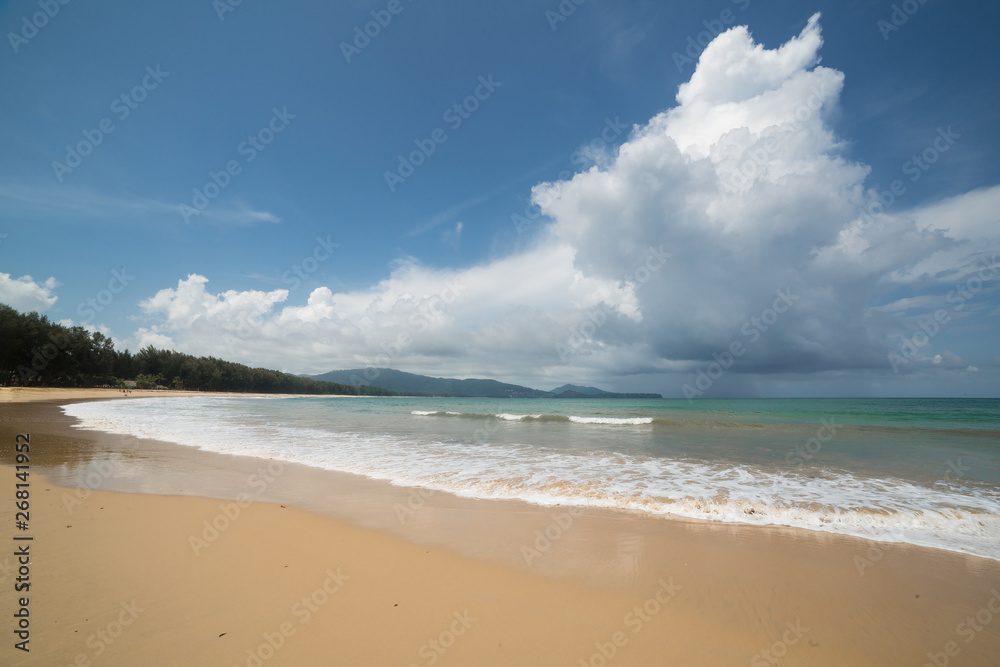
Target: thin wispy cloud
[[449, 214], [76, 203]]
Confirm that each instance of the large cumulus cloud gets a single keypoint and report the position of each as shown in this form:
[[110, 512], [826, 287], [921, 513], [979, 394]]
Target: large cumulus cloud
[[745, 182]]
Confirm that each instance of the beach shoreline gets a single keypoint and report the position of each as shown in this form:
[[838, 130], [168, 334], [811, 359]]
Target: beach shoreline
[[735, 590], [32, 394]]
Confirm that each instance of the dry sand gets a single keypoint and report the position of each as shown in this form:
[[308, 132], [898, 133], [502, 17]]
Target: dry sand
[[116, 579], [29, 394]]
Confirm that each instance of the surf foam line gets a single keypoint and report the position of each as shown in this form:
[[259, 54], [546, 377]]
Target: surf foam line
[[611, 421], [953, 516]]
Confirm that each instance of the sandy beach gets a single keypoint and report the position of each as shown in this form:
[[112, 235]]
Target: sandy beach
[[30, 394], [148, 553]]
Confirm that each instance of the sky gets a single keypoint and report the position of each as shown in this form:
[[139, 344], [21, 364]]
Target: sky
[[701, 199]]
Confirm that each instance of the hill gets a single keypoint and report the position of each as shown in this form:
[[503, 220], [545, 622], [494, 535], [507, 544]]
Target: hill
[[587, 391], [423, 385]]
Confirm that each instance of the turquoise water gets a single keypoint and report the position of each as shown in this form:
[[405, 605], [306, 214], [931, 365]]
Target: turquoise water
[[924, 471]]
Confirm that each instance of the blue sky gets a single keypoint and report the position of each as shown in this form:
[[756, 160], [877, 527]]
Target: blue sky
[[252, 278]]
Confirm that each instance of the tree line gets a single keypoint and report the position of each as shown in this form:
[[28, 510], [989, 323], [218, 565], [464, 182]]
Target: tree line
[[35, 351]]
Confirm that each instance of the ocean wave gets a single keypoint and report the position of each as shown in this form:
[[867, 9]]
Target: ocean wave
[[725, 424], [954, 516], [609, 421], [615, 421]]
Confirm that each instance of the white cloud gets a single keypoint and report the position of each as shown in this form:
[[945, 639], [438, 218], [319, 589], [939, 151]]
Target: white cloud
[[972, 216], [971, 222], [103, 329], [191, 307], [743, 184], [453, 320], [25, 294], [144, 337], [85, 203]]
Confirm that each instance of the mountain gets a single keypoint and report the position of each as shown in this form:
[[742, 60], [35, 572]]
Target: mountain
[[569, 393], [588, 391], [422, 385]]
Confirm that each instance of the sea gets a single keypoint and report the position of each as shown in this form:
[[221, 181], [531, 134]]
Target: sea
[[919, 471]]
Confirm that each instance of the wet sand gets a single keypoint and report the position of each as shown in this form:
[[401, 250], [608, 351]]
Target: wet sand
[[202, 545]]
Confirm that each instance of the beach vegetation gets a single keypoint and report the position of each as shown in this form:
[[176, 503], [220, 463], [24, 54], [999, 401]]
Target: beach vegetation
[[35, 351]]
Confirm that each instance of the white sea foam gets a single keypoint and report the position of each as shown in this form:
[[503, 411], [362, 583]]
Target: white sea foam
[[959, 518], [514, 418], [506, 416], [617, 421]]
